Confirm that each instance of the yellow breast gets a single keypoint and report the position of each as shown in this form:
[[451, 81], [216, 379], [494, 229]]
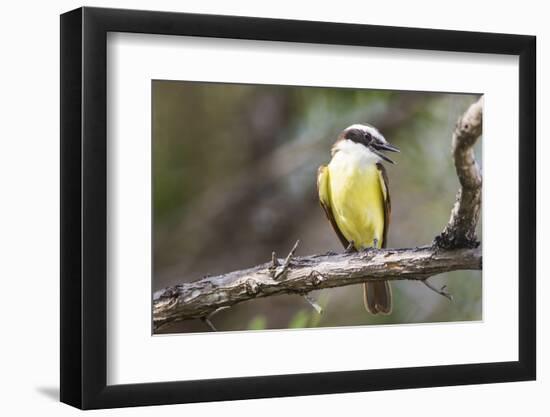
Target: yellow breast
[[357, 199]]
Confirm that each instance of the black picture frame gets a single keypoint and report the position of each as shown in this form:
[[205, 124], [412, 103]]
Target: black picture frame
[[84, 207]]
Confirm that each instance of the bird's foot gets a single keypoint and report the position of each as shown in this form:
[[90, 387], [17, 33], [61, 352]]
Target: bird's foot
[[350, 248], [374, 247]]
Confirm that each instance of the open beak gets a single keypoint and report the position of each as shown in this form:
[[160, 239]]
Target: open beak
[[379, 147]]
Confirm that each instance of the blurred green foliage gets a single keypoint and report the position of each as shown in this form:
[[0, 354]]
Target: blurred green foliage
[[300, 319], [258, 323], [234, 178]]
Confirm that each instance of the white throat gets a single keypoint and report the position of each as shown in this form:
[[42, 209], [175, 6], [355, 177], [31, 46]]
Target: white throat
[[353, 153]]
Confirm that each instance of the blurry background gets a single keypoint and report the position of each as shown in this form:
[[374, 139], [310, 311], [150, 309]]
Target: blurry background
[[234, 176]]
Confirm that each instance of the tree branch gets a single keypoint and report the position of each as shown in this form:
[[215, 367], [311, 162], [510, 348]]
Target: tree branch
[[200, 298], [460, 232], [441, 291], [456, 248]]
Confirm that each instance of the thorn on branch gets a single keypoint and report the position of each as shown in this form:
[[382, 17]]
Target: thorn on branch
[[441, 291], [274, 261], [286, 263], [313, 303]]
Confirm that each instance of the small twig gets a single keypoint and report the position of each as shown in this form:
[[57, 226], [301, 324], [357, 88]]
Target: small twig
[[441, 291], [207, 321], [274, 261], [207, 318], [313, 303], [286, 263], [216, 311]]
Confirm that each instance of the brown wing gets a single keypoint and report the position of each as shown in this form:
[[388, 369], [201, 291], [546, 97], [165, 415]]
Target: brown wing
[[324, 199], [387, 202]]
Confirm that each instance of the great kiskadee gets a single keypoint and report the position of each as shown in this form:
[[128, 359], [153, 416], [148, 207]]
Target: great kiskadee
[[353, 191]]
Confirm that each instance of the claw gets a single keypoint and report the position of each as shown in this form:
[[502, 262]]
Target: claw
[[350, 248]]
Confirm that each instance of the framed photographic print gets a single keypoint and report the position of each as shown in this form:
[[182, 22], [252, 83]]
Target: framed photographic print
[[258, 208]]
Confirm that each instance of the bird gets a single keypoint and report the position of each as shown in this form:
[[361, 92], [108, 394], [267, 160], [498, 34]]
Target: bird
[[353, 192]]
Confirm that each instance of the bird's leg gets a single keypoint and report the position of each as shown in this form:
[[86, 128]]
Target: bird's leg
[[350, 248], [373, 247]]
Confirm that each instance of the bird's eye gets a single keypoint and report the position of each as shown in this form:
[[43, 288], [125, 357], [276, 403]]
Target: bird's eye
[[368, 138]]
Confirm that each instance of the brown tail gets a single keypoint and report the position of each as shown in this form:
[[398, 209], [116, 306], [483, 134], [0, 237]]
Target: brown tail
[[378, 297]]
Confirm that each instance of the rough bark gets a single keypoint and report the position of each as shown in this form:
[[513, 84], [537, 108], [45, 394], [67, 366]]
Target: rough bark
[[456, 248]]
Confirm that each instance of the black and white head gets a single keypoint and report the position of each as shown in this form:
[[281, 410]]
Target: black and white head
[[365, 139]]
